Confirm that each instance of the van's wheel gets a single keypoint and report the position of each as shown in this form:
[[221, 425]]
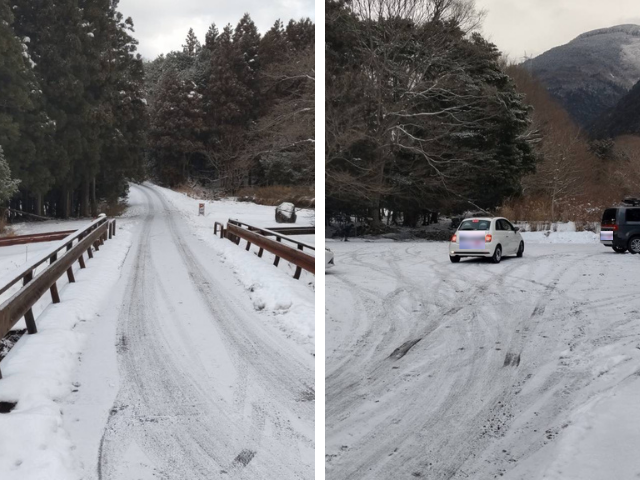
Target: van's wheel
[[634, 245], [497, 255], [520, 250], [454, 259], [619, 249]]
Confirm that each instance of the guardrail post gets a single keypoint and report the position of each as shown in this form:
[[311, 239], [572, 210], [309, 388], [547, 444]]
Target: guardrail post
[[70, 275], [31, 322], [81, 261], [90, 252], [28, 317], [248, 246], [276, 262], [55, 297], [298, 269], [260, 252]]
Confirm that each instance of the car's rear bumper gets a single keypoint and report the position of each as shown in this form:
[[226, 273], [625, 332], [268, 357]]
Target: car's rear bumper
[[455, 251]]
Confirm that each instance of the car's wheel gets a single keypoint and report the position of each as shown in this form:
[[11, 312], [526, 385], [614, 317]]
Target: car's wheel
[[454, 259], [497, 255], [619, 249], [634, 245], [520, 250]]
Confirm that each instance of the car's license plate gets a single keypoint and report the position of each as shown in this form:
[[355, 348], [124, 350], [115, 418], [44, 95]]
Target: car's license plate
[[606, 236], [472, 241]]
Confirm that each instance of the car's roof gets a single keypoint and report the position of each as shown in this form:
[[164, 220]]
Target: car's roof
[[480, 218]]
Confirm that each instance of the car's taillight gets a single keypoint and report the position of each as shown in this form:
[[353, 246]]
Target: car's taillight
[[454, 239], [615, 228], [488, 238]]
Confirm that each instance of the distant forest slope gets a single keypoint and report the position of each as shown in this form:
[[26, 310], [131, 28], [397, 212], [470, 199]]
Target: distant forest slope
[[238, 109], [623, 119], [590, 74]]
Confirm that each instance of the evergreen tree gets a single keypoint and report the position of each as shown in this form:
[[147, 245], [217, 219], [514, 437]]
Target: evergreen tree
[[246, 63], [301, 34], [192, 44], [211, 37], [176, 125], [8, 186], [24, 128], [122, 156], [274, 46]]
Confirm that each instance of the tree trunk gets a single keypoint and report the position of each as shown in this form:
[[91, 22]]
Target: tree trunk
[[84, 199], [38, 205], [66, 203], [374, 213], [411, 218], [94, 203]]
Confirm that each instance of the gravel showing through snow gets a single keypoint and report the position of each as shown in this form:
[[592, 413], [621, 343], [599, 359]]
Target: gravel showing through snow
[[529, 369]]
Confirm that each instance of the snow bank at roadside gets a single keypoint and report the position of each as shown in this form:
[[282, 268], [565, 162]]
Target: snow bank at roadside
[[38, 373], [550, 237], [288, 302]]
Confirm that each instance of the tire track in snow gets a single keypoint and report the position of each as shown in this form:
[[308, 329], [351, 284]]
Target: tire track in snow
[[450, 398], [178, 414]]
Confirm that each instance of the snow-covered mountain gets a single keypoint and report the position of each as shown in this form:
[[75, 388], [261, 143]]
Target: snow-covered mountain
[[590, 74]]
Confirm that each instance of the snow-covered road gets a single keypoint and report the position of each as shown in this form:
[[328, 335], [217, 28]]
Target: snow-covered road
[[203, 387], [475, 370]]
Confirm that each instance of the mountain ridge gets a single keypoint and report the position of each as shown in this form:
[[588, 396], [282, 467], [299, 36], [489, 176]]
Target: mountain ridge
[[589, 75]]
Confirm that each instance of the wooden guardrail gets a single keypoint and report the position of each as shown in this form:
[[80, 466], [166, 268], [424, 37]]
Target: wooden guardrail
[[279, 247], [34, 238], [60, 260], [218, 227]]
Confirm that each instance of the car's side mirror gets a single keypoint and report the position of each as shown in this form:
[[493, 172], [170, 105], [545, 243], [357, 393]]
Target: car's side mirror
[[517, 229]]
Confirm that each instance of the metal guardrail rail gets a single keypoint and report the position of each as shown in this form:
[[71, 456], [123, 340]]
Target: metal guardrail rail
[[34, 238], [60, 260], [258, 236]]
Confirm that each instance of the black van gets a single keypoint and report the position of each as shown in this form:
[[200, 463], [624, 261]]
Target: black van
[[620, 228]]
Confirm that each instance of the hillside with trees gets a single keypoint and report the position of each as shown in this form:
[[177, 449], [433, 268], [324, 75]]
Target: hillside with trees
[[82, 114], [235, 110], [420, 113], [73, 115], [577, 175], [590, 74]]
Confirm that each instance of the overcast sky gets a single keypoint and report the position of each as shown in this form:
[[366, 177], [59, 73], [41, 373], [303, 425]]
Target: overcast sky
[[162, 25], [535, 26]]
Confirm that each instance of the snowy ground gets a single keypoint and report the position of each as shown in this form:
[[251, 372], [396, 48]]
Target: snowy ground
[[160, 362], [529, 369]]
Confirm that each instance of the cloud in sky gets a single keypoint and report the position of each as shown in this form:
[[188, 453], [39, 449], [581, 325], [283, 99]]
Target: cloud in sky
[[162, 25], [532, 27]]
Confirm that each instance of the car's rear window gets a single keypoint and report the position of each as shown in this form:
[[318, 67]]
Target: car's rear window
[[475, 225], [632, 215], [609, 216]]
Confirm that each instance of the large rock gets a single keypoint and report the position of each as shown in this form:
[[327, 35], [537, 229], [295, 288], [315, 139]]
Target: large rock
[[286, 213]]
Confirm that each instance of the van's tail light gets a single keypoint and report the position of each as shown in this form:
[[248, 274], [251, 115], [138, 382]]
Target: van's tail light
[[613, 226], [454, 239], [488, 238]]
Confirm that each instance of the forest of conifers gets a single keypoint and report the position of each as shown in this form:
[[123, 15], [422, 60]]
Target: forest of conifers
[[82, 114]]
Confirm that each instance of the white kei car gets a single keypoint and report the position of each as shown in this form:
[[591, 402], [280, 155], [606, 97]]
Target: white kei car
[[486, 237]]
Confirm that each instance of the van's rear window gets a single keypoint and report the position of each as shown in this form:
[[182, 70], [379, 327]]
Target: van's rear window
[[633, 215], [609, 216], [475, 225]]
